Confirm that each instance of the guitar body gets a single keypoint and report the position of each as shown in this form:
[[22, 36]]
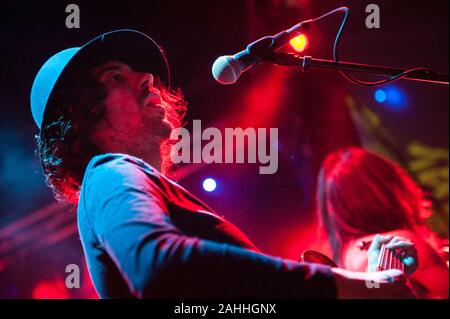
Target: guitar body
[[312, 256]]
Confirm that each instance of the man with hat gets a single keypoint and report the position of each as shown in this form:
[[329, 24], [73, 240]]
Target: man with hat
[[105, 111]]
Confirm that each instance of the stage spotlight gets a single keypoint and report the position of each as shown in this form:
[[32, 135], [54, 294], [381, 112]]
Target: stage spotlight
[[391, 96], [299, 43], [209, 184], [380, 96], [396, 97]]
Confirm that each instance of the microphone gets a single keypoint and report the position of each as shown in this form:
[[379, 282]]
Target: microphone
[[228, 68]]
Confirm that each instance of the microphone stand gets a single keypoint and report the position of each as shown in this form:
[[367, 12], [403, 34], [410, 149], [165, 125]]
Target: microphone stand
[[307, 63]]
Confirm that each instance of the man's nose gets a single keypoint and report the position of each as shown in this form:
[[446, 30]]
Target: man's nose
[[144, 81]]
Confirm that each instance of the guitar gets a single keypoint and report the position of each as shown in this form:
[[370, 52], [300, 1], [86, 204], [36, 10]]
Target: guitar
[[388, 259]]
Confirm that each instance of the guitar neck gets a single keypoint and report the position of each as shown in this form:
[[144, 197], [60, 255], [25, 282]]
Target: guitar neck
[[388, 260]]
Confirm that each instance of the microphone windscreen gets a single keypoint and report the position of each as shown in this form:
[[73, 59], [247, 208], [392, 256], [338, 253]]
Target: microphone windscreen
[[226, 69]]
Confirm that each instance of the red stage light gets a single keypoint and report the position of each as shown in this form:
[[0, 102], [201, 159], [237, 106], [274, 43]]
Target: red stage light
[[55, 289], [299, 43]]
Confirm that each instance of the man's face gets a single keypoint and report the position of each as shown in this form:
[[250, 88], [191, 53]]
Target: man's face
[[134, 106]]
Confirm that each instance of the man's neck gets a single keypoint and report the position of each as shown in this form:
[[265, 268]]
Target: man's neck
[[152, 158], [149, 153]]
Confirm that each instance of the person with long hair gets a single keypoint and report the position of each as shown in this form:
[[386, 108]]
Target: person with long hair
[[360, 195]]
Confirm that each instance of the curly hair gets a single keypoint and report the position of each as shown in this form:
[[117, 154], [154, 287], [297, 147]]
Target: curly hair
[[64, 146]]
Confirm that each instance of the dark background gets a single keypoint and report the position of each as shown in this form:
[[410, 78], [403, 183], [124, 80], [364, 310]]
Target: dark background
[[311, 111]]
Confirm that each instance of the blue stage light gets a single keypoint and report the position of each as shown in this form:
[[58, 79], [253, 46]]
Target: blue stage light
[[380, 96], [209, 184], [391, 96]]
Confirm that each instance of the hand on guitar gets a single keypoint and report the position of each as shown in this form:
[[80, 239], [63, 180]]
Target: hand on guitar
[[390, 259], [381, 284], [389, 252]]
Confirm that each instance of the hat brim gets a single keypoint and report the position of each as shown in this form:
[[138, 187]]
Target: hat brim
[[132, 47]]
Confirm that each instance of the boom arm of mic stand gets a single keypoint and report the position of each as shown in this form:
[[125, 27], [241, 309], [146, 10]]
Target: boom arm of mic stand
[[307, 63]]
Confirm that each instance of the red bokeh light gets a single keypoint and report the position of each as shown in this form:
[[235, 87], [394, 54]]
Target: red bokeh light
[[55, 289]]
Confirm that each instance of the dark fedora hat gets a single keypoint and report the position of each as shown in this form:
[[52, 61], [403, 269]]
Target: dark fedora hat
[[129, 46]]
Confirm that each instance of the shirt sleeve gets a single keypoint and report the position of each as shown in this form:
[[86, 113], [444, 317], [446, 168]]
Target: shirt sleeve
[[128, 216]]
